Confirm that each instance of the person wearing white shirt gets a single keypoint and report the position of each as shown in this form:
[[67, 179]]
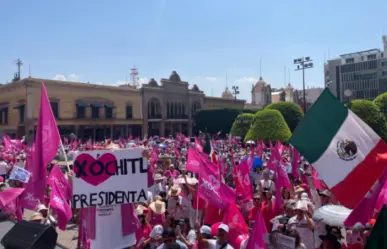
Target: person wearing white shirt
[[221, 239], [158, 186], [4, 167], [178, 206]]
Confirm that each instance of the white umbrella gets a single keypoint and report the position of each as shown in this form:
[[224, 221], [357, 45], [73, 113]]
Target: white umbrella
[[250, 142], [332, 215]]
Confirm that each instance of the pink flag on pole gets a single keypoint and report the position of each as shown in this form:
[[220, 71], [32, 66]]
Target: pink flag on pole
[[364, 210], [9, 201], [59, 203], [236, 223], [193, 160], [256, 239], [211, 189], [295, 158], [244, 188], [198, 145], [56, 177], [47, 142]]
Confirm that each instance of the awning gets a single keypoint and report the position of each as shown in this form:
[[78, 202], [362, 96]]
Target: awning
[[19, 106], [96, 105], [82, 104], [109, 106]]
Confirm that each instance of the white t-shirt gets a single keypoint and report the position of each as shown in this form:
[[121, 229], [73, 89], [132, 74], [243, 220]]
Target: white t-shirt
[[305, 233], [3, 168], [108, 225], [213, 245]]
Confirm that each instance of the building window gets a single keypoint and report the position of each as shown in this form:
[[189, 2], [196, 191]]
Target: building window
[[349, 60], [129, 112], [4, 116], [81, 111], [95, 111], [55, 109], [109, 111], [371, 57], [21, 113]]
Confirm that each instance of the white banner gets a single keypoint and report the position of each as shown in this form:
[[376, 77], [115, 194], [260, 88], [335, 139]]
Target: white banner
[[107, 177]]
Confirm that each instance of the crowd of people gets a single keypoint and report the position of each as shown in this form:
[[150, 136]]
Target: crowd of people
[[175, 216]]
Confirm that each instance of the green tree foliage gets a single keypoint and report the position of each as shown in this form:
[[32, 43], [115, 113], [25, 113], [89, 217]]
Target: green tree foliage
[[381, 103], [241, 125], [269, 124], [213, 121], [291, 112], [370, 114]]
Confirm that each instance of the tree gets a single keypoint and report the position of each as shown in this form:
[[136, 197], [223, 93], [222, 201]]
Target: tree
[[241, 125], [370, 114], [381, 103], [213, 121], [291, 112], [269, 124]]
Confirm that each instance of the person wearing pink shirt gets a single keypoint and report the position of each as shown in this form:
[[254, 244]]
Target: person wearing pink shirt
[[171, 172]]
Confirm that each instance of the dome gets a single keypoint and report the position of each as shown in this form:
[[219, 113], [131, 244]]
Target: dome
[[152, 82], [227, 94], [174, 77], [195, 88], [260, 83]]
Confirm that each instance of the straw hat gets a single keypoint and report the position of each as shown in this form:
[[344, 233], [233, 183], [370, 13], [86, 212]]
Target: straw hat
[[174, 191], [158, 177], [140, 210], [36, 217], [41, 207], [158, 207]]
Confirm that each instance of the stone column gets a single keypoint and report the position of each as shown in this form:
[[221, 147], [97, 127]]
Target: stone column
[[29, 107]]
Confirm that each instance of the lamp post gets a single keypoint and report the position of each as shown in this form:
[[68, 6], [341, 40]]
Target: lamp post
[[302, 64], [235, 91]]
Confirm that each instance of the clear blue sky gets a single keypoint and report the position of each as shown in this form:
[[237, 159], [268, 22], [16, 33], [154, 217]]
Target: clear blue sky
[[99, 41]]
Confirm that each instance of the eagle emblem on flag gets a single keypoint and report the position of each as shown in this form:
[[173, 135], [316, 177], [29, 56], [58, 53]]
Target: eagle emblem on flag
[[346, 150]]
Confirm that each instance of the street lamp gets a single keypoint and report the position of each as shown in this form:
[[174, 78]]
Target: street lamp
[[235, 91], [302, 64]]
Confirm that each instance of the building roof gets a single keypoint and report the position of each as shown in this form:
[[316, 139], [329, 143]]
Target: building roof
[[260, 82], [227, 94], [365, 52], [71, 83]]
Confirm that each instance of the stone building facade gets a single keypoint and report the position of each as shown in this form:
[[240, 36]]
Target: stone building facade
[[102, 111]]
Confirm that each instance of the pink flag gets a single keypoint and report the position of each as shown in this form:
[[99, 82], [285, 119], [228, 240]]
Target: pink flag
[[7, 143], [56, 177], [364, 210], [236, 223], [193, 160], [316, 180], [295, 158], [256, 239], [9, 201], [211, 189], [279, 147], [46, 145], [59, 203], [198, 145], [244, 188]]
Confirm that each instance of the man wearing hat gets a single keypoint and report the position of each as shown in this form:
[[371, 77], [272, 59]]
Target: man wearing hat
[[221, 239], [158, 186], [169, 240], [178, 206], [303, 224]]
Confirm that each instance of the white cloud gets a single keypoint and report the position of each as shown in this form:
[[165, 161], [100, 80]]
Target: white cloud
[[246, 79], [59, 77], [73, 77], [70, 77], [210, 78]]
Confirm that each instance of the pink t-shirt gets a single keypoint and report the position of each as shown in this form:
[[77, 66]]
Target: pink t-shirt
[[156, 219], [171, 173], [143, 233]]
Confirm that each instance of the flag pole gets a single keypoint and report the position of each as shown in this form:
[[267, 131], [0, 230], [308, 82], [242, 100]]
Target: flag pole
[[64, 154]]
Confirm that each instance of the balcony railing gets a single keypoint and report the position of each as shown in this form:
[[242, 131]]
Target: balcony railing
[[177, 117]]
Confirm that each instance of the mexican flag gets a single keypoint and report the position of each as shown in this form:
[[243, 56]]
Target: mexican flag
[[341, 147], [378, 238]]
